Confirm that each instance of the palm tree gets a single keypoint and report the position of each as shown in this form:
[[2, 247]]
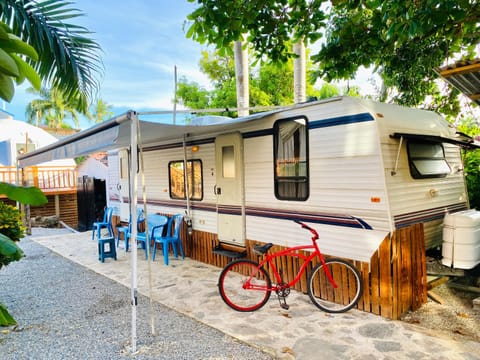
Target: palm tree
[[101, 111], [51, 109], [68, 59]]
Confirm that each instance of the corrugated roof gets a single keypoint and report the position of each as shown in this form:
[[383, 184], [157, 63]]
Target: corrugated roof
[[465, 76]]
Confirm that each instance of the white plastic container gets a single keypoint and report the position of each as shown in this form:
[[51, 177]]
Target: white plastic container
[[461, 239]]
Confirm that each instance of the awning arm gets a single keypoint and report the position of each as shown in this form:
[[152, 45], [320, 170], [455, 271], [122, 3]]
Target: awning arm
[[395, 168]]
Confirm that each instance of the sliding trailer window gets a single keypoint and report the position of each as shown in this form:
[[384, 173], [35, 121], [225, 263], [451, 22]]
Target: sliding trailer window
[[427, 159], [176, 175]]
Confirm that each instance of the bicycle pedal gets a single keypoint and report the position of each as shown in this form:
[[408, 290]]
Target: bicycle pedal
[[285, 306]]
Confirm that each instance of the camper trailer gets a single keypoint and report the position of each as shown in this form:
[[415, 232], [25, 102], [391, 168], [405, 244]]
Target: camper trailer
[[375, 180], [359, 171]]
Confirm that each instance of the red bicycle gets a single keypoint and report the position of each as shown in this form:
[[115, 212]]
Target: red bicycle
[[334, 285]]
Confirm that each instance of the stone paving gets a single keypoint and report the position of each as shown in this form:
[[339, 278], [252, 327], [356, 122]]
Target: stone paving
[[303, 332]]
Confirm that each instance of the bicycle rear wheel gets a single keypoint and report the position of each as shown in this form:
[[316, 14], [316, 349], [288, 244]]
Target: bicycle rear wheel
[[232, 290], [342, 298]]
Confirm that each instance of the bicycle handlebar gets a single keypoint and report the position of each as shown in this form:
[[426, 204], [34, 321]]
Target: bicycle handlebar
[[305, 226]]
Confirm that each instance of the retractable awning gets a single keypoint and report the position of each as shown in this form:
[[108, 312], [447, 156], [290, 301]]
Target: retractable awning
[[116, 134], [463, 141]]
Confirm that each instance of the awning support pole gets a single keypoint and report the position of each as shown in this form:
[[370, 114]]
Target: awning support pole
[[147, 231], [132, 116], [185, 174]]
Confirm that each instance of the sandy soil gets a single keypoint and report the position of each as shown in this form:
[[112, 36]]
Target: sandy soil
[[456, 316]]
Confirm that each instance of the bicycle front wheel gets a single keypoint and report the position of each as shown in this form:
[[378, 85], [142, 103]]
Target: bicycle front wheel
[[244, 286], [348, 289]]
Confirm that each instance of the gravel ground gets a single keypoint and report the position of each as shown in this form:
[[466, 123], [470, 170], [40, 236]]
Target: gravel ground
[[456, 315], [65, 311]]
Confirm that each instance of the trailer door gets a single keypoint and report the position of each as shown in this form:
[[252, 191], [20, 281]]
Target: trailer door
[[229, 189]]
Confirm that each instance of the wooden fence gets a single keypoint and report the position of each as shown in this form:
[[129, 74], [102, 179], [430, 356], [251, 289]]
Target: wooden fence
[[62, 205]]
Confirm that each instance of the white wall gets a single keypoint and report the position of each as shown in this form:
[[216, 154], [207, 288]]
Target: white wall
[[93, 168]]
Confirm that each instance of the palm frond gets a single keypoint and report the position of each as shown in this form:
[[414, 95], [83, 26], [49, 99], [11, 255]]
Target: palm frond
[[68, 58]]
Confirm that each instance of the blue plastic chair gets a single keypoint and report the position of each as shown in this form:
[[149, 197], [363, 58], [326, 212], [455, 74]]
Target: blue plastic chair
[[106, 223], [155, 223], [126, 229], [170, 239]]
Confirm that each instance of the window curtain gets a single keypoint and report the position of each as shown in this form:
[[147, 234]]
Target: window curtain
[[291, 160]]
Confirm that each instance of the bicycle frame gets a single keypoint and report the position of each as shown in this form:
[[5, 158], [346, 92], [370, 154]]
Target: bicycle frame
[[294, 252]]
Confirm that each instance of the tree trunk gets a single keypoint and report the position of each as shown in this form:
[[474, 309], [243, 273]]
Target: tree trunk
[[241, 74], [299, 73]]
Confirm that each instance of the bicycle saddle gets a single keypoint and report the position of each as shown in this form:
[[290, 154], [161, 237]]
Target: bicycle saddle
[[262, 249]]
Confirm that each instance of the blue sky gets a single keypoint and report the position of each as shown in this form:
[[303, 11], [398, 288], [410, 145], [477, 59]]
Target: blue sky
[[142, 42]]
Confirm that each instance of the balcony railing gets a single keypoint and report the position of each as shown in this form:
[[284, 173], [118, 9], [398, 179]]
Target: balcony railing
[[49, 179]]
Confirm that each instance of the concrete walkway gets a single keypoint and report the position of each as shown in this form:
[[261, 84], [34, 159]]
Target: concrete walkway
[[303, 332]]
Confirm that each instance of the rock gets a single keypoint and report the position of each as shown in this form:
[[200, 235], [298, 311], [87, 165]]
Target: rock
[[46, 221], [476, 304]]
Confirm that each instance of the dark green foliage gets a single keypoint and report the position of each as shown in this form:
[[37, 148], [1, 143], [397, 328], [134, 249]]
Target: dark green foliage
[[68, 58], [11, 224], [9, 251], [403, 41], [472, 175], [12, 230]]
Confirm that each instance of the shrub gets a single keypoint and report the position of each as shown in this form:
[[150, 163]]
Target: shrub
[[11, 224], [12, 230]]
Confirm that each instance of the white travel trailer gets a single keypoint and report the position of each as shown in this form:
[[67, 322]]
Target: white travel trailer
[[375, 180], [356, 168]]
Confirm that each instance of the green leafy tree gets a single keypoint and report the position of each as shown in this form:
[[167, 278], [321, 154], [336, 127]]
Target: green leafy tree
[[264, 77], [192, 95], [271, 84], [13, 68], [403, 41], [275, 80], [221, 73], [471, 161], [68, 58], [271, 25]]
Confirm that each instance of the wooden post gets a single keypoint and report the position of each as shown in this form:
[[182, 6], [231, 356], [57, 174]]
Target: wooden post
[[57, 205]]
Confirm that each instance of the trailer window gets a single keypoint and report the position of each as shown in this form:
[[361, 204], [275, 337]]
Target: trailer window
[[291, 159], [176, 177], [427, 160]]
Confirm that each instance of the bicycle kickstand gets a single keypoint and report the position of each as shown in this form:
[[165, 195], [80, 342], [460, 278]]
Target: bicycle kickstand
[[283, 304]]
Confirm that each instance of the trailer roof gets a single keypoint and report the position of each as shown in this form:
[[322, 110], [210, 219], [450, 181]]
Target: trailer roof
[[465, 76], [116, 134]]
